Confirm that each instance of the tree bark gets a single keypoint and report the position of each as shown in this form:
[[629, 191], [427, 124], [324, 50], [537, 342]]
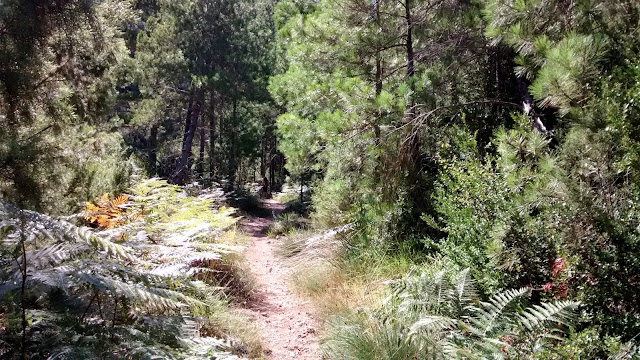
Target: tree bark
[[212, 138], [187, 121], [191, 124], [272, 156], [413, 160], [232, 159], [153, 150], [409, 43], [376, 126], [263, 155], [200, 168]]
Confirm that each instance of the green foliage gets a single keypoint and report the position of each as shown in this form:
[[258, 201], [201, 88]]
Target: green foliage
[[440, 317], [392, 131], [563, 81], [89, 293], [514, 217], [209, 60], [59, 70]]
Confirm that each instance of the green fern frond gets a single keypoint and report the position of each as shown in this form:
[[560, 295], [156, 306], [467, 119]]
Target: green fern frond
[[556, 312], [153, 299], [465, 290], [487, 315], [198, 348], [111, 248], [432, 324]]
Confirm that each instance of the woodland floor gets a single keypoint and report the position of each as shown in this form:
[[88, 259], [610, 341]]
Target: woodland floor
[[286, 322]]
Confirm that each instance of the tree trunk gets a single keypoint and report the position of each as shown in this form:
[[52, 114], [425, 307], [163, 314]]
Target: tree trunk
[[187, 122], [200, 169], [409, 43], [272, 156], [376, 125], [153, 150], [191, 124], [413, 160], [232, 159], [263, 155], [212, 138]]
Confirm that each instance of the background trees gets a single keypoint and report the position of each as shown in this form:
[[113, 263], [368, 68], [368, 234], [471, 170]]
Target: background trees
[[91, 91], [212, 58], [58, 71]]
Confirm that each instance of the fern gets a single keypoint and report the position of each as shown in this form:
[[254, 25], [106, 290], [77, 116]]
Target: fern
[[539, 315], [442, 317], [432, 324], [108, 214], [99, 289], [485, 317]]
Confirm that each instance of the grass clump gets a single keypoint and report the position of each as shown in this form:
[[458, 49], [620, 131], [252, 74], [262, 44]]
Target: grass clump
[[286, 223], [320, 272]]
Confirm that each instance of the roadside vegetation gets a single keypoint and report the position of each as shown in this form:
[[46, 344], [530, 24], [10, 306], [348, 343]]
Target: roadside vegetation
[[151, 274], [495, 138]]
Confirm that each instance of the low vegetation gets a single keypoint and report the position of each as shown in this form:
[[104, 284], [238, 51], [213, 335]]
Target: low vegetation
[[432, 316], [151, 279]]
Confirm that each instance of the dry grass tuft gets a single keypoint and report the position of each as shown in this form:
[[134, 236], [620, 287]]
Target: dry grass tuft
[[319, 274]]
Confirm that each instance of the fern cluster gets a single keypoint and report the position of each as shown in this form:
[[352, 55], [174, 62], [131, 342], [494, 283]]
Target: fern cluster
[[68, 291], [443, 317]]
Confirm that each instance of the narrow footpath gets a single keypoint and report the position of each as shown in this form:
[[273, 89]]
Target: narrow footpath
[[285, 321]]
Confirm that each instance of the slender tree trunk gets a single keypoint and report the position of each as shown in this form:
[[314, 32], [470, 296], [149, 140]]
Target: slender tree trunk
[[409, 43], [201, 157], [23, 288], [191, 124], [272, 158], [12, 118], [187, 121], [222, 142], [376, 125], [153, 150], [232, 159], [413, 161], [212, 138], [263, 155]]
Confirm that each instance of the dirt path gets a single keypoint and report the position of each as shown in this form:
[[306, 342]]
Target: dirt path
[[285, 321]]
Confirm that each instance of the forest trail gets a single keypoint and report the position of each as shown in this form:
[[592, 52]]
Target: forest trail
[[285, 321]]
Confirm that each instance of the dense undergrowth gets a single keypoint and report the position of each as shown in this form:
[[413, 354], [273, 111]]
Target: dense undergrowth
[[153, 279], [380, 305], [499, 135], [395, 308]]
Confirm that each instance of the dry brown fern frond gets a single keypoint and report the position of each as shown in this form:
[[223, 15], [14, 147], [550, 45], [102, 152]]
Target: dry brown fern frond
[[107, 214]]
